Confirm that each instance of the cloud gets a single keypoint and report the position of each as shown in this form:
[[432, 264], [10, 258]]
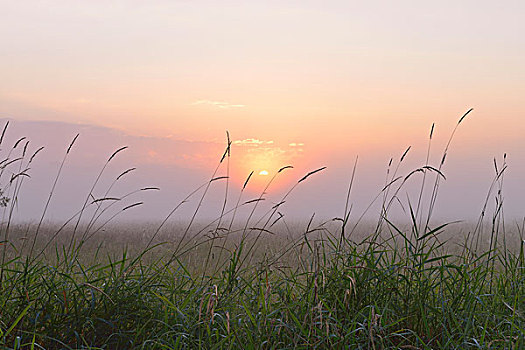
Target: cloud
[[218, 104], [252, 142], [294, 144]]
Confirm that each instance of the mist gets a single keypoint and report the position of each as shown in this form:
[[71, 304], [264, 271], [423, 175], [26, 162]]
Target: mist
[[160, 172]]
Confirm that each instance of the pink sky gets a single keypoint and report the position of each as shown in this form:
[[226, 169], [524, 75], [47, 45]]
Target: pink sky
[[308, 83]]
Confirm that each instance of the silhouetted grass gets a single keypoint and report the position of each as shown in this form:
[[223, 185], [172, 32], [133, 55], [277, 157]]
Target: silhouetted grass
[[261, 282]]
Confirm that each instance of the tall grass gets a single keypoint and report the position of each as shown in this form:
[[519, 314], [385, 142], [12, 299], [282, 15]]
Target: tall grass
[[261, 282]]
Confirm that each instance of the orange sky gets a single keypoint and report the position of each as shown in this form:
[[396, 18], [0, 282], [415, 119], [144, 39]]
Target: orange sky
[[302, 82]]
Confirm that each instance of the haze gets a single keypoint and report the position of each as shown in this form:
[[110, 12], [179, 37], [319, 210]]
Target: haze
[[302, 83]]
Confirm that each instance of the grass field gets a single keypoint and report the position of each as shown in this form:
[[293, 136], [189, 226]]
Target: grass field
[[259, 281]]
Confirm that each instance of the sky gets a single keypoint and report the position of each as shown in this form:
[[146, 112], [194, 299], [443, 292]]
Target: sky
[[302, 83]]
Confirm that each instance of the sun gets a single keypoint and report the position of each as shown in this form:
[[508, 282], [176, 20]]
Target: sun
[[263, 172]]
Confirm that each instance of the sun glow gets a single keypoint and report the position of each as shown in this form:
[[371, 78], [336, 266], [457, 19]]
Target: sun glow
[[263, 159]]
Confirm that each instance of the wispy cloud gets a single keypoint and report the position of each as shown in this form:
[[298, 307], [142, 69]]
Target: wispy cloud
[[218, 104], [294, 144], [252, 142]]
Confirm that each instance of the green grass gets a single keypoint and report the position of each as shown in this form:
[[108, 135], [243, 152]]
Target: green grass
[[262, 282]]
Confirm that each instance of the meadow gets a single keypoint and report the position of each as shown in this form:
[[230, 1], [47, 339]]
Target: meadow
[[261, 282]]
